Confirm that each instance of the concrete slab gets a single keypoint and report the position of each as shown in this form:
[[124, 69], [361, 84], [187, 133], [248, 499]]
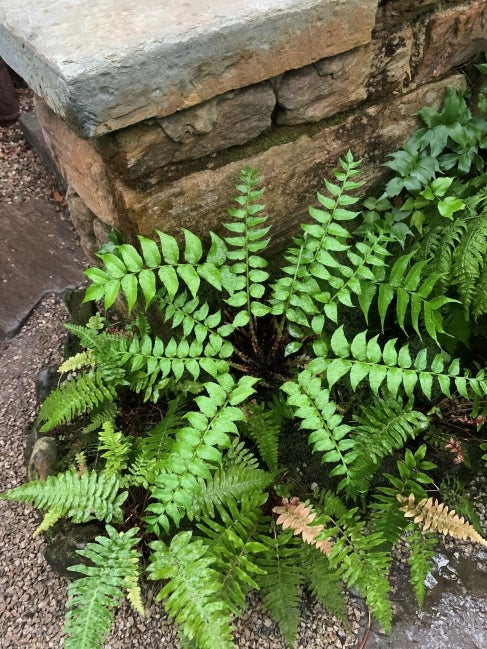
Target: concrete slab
[[108, 64], [39, 254]]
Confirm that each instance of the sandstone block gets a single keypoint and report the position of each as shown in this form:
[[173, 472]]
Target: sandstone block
[[228, 120], [79, 163], [453, 37], [327, 87], [292, 171]]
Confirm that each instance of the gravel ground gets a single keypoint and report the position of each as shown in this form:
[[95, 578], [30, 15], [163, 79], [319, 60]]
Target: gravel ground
[[32, 596]]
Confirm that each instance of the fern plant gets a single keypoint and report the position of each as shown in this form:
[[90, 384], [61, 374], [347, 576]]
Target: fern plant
[[245, 369], [439, 197]]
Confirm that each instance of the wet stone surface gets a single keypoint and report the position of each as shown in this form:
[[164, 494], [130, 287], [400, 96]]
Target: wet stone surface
[[454, 614]]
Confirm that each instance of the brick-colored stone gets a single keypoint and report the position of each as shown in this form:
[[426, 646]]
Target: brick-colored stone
[[292, 172], [228, 120], [329, 86], [79, 163], [453, 37]]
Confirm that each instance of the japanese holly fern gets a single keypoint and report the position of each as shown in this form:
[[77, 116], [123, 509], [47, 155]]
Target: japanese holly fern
[[247, 364]]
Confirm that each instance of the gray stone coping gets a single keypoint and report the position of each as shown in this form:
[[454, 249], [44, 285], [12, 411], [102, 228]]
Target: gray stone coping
[[106, 64]]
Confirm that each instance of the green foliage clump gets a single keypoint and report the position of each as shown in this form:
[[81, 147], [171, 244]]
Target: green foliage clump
[[342, 352]]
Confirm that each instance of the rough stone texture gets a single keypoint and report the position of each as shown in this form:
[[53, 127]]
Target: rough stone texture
[[391, 70], [106, 65], [324, 88], [39, 255], [292, 171], [228, 120], [453, 37], [80, 163], [91, 231], [396, 12]]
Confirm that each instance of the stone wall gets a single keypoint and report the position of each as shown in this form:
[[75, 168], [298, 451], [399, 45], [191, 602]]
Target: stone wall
[[383, 61]]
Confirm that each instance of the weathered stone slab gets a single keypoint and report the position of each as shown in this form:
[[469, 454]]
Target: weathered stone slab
[[228, 120], [40, 255], [106, 65], [453, 37], [292, 172], [324, 88]]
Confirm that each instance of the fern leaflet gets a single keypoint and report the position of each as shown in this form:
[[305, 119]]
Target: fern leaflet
[[74, 397], [191, 591], [420, 559], [91, 598], [81, 498], [282, 580]]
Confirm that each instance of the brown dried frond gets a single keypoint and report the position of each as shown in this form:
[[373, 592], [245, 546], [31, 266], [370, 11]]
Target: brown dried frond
[[435, 516], [299, 517]]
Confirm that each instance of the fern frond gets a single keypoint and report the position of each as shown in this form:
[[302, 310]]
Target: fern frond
[[384, 426], [74, 397], [324, 583], [81, 498], [479, 302], [312, 404], [114, 570], [116, 448], [125, 271], [421, 552], [455, 494], [232, 541], [409, 289], [151, 363], [469, 260], [107, 411], [246, 276], [234, 482], [411, 476], [198, 449], [194, 319], [263, 426], [282, 580], [77, 362], [239, 454], [299, 294], [97, 341], [439, 244], [156, 440], [363, 359], [299, 517], [357, 557], [435, 516], [190, 593]]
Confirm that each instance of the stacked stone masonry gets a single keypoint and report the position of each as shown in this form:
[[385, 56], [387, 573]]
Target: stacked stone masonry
[[352, 78]]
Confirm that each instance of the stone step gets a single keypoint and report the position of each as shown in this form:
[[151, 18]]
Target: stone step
[[110, 64], [40, 255]]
